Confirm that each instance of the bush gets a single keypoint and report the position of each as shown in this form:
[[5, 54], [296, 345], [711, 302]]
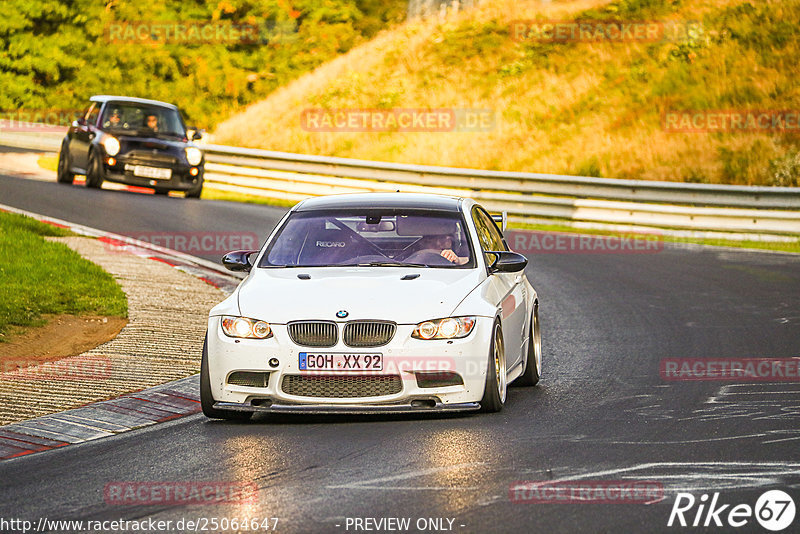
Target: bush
[[785, 171], [55, 55]]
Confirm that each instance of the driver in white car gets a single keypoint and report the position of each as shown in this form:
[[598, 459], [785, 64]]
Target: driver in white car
[[440, 244]]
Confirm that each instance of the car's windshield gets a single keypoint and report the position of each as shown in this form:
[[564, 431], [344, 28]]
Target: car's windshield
[[142, 119], [381, 238]]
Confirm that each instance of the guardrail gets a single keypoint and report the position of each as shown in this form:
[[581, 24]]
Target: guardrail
[[45, 141], [727, 208], [772, 210]]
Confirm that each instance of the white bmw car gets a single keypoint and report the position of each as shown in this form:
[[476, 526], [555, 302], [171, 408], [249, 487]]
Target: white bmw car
[[378, 302]]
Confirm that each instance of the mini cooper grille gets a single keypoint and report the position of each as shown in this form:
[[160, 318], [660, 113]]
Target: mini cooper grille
[[341, 386], [314, 333], [368, 333], [145, 157]]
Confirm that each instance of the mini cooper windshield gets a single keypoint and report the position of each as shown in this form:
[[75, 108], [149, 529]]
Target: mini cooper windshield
[[124, 118], [375, 238]]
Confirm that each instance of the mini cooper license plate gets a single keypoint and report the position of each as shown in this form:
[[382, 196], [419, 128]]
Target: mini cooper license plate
[[315, 361], [152, 172]]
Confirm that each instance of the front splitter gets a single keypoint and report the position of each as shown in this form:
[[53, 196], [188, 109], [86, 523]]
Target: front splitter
[[333, 409]]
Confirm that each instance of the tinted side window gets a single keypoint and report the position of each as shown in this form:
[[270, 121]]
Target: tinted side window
[[92, 113], [483, 232], [489, 235]]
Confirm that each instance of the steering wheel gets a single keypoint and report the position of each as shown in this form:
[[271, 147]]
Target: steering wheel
[[427, 257]]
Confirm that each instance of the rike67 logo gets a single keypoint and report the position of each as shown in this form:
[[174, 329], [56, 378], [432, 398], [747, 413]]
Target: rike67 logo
[[774, 511]]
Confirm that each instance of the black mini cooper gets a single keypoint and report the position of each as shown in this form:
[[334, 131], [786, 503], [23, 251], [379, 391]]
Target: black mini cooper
[[133, 141]]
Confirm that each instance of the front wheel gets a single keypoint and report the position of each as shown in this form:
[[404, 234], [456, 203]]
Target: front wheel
[[207, 398], [533, 362], [494, 393], [94, 175], [195, 191], [63, 175]]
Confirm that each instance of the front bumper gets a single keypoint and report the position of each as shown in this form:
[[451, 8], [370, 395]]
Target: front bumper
[[181, 179], [403, 356]]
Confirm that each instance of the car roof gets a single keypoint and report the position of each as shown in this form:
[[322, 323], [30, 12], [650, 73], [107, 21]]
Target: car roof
[[421, 201], [131, 99]]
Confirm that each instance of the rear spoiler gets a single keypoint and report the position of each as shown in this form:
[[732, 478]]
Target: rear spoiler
[[501, 220]]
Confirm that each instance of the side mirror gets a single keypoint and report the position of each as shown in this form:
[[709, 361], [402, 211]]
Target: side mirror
[[80, 122], [238, 260], [197, 134], [507, 262]]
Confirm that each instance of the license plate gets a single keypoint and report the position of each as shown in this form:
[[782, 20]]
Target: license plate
[[315, 361], [152, 172]]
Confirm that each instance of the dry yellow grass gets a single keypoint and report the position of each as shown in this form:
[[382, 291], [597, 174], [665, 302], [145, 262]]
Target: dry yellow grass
[[577, 108]]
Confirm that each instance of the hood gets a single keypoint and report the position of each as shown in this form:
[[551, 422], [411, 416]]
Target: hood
[[279, 296], [162, 144]]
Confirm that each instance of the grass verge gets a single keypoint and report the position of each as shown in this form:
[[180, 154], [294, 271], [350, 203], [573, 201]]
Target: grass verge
[[216, 194], [48, 163], [39, 277]]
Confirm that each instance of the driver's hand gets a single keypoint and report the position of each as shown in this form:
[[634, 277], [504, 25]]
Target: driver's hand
[[449, 255]]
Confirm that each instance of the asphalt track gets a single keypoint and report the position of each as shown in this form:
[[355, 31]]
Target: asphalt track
[[601, 412]]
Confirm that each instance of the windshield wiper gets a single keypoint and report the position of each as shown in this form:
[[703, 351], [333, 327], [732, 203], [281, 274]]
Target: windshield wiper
[[390, 264], [305, 266], [173, 135], [366, 264]]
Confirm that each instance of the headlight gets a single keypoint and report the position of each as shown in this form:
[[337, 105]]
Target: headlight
[[246, 327], [447, 328], [193, 155], [111, 144]]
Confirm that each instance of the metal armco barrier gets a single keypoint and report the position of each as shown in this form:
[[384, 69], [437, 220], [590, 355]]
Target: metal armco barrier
[[727, 208], [772, 210]]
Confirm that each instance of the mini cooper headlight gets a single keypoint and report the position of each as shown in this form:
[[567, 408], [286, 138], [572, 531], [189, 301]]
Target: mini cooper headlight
[[193, 155], [246, 327], [447, 328], [111, 144]]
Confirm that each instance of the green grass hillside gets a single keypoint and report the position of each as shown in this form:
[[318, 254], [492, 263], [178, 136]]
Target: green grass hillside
[[586, 108]]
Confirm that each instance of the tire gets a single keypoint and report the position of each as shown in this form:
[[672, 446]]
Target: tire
[[532, 373], [196, 191], [496, 387], [207, 398], [94, 172], [63, 176]]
